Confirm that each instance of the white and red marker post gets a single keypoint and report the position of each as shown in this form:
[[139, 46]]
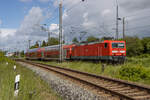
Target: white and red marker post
[[16, 87]]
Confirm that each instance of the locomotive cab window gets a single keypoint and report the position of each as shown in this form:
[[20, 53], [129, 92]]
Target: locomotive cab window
[[118, 45], [106, 44]]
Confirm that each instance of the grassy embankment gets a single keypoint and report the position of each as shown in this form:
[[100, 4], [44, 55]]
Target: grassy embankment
[[136, 69], [31, 86]]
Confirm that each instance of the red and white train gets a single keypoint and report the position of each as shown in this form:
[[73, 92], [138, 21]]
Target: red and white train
[[108, 50]]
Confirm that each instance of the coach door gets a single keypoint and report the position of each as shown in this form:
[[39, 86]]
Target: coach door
[[106, 48], [42, 53], [100, 53]]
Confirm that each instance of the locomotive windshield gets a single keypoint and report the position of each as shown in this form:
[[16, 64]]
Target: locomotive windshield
[[117, 45]]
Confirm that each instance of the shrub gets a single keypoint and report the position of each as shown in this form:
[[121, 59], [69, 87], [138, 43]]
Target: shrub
[[134, 73], [144, 56]]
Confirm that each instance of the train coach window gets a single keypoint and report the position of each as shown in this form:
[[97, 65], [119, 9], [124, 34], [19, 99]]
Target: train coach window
[[106, 45]]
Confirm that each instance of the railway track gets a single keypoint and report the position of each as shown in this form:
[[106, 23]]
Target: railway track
[[104, 85]]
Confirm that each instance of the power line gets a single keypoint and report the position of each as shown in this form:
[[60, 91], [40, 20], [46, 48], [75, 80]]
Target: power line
[[145, 26], [67, 10], [55, 17], [143, 17], [135, 14]]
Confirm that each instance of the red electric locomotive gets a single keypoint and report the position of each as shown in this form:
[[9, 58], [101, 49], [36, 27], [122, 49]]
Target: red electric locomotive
[[108, 50]]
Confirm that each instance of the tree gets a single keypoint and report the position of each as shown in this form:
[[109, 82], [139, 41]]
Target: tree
[[35, 46], [134, 46], [106, 38], [22, 54], [44, 44], [92, 39], [146, 44], [53, 41], [148, 47], [75, 40]]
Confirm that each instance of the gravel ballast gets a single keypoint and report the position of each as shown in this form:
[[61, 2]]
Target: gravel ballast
[[66, 89]]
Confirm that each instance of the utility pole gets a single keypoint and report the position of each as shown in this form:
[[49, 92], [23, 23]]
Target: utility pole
[[60, 33], [29, 43], [123, 27], [48, 37], [117, 22]]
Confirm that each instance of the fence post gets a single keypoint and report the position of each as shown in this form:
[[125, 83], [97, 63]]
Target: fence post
[[103, 67]]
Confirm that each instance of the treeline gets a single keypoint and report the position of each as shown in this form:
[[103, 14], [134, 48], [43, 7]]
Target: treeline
[[137, 46], [55, 41], [51, 41]]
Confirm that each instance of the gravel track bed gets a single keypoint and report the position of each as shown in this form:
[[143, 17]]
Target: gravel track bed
[[66, 89]]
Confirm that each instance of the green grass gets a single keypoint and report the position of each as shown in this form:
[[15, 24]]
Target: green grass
[[136, 69], [31, 86]]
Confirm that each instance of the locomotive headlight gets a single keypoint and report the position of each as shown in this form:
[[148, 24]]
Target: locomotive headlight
[[122, 51], [114, 51]]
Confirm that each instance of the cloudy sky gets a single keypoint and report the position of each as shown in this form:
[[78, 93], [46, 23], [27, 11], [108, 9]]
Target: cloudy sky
[[21, 20]]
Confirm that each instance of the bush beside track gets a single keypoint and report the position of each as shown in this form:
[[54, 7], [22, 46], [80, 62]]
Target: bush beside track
[[31, 86]]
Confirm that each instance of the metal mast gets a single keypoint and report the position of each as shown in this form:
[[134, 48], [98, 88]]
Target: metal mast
[[29, 44], [123, 27], [117, 22], [60, 33]]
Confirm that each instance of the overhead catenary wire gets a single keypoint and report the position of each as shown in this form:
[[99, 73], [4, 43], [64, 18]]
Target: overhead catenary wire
[[74, 6], [137, 13], [54, 17], [144, 26]]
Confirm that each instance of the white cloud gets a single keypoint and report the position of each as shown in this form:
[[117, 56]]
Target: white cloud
[[106, 11], [5, 40], [54, 28], [29, 29], [7, 32], [32, 21]]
